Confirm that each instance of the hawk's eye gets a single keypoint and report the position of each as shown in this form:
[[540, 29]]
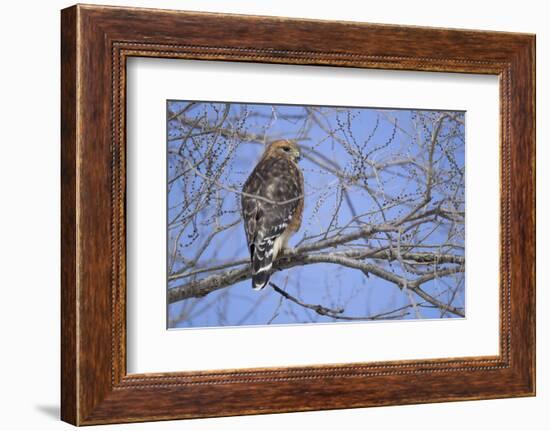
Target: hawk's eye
[[286, 149]]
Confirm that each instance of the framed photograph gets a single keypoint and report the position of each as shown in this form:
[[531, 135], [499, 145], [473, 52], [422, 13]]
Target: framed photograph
[[264, 214]]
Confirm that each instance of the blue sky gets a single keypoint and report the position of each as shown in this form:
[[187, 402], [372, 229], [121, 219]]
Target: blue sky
[[334, 135]]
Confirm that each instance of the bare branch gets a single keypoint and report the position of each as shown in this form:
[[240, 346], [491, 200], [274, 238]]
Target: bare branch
[[337, 313]]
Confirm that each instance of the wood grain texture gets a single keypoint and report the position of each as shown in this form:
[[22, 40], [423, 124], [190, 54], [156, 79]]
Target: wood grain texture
[[69, 397], [96, 41]]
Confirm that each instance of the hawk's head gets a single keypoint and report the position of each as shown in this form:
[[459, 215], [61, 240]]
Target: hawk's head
[[284, 148]]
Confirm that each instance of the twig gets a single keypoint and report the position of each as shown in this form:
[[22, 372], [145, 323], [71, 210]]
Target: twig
[[337, 313], [319, 309]]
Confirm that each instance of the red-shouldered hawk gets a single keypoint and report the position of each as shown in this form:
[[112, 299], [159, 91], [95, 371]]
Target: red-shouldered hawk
[[272, 206]]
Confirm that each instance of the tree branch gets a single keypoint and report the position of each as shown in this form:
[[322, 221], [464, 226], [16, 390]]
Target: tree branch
[[202, 287], [337, 313]]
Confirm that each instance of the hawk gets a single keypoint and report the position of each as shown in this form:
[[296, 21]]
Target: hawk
[[272, 204]]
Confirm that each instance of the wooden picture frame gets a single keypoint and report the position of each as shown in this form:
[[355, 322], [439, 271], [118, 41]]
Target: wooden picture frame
[[95, 43]]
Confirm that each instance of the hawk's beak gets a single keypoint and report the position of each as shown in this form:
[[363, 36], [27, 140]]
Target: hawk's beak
[[298, 155]]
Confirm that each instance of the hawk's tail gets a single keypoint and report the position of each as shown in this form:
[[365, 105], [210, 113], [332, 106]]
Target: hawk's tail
[[262, 261]]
